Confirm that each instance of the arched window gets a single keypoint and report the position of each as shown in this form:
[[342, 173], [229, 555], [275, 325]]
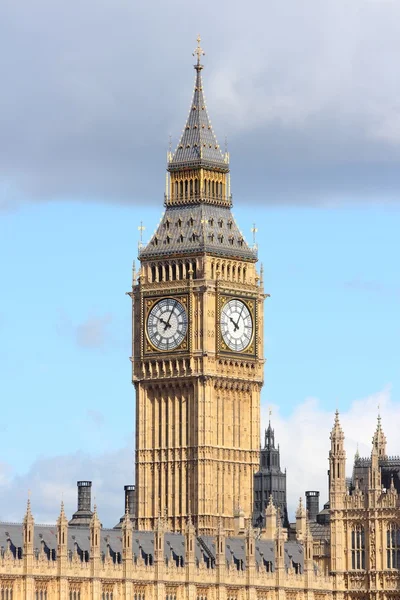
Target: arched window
[[358, 547], [393, 546]]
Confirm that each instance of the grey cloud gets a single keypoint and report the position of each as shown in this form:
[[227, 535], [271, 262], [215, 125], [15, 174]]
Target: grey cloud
[[376, 287], [307, 94], [95, 417], [93, 333]]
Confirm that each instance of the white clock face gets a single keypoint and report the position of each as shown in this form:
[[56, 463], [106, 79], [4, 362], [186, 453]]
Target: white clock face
[[167, 324], [236, 325]]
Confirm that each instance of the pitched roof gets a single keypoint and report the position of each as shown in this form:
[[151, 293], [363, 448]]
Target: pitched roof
[[198, 228], [198, 146], [45, 539]]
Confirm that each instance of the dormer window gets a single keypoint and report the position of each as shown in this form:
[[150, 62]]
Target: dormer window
[[179, 222], [180, 238], [229, 224], [231, 240], [220, 223], [167, 222], [168, 239], [194, 237], [211, 222], [221, 238], [191, 221], [155, 241], [211, 237], [240, 242]]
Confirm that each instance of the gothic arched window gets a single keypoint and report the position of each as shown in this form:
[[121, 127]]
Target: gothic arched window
[[393, 546], [358, 547]]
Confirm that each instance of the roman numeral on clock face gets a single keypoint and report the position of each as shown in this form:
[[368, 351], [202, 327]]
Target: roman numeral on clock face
[[167, 324], [236, 325]]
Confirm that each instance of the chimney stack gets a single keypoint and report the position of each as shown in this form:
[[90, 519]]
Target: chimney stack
[[130, 500], [130, 504], [84, 495], [312, 505], [81, 518]]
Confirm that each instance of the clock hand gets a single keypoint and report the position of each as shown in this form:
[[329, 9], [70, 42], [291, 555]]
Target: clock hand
[[237, 323], [234, 324], [169, 318]]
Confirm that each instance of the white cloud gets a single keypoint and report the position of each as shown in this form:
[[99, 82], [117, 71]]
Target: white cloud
[[52, 479], [304, 442], [304, 439]]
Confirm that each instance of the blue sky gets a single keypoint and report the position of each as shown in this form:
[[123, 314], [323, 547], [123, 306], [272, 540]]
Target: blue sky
[[307, 95], [331, 326]]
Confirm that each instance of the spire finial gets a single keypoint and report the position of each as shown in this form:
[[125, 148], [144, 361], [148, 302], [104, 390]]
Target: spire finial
[[198, 52], [141, 228], [254, 232]]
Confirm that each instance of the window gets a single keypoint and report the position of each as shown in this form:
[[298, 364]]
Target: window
[[358, 548], [393, 546], [6, 590]]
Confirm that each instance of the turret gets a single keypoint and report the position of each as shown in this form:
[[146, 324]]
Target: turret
[[126, 528], [379, 440], [269, 480], [62, 536], [250, 555], [301, 521], [28, 533], [95, 536], [190, 542], [375, 479], [337, 465], [159, 542], [270, 520], [337, 492], [220, 547], [239, 521]]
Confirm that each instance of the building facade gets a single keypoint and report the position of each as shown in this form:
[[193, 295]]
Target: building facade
[[197, 355], [197, 368]]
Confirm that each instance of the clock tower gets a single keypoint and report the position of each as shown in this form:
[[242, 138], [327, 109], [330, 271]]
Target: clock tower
[[197, 349]]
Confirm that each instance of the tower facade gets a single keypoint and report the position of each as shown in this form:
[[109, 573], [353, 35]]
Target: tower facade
[[197, 357], [269, 482]]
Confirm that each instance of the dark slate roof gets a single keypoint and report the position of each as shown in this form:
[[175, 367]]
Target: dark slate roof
[[319, 531], [198, 145], [198, 228], [143, 545]]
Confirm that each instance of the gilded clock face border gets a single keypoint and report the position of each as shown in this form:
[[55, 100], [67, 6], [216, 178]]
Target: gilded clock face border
[[148, 303], [251, 303]]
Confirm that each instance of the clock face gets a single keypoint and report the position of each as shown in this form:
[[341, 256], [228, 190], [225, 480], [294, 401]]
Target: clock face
[[167, 324], [236, 325]]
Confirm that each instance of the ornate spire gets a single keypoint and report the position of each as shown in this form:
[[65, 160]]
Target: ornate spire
[[269, 435], [28, 514], [337, 431], [379, 439], [198, 146], [301, 510], [62, 519]]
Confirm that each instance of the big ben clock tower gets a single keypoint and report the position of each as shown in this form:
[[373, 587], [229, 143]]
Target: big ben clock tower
[[197, 356]]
